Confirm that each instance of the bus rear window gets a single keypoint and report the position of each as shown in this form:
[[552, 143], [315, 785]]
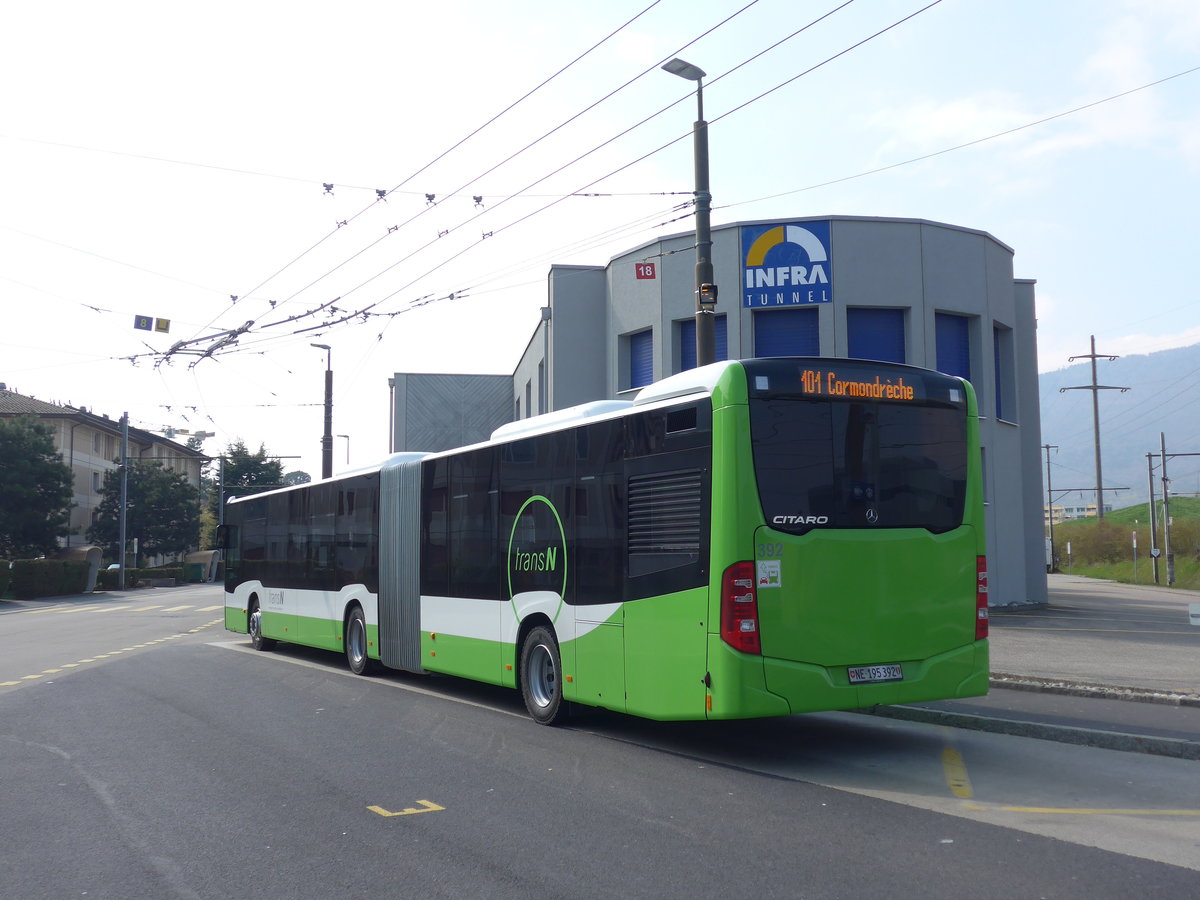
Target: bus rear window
[[859, 464]]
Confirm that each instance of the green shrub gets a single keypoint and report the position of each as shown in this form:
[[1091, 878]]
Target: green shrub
[[109, 579], [33, 578], [5, 576]]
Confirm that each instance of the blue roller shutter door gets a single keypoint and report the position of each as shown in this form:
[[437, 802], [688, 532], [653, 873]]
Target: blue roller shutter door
[[791, 332], [953, 344], [875, 334], [687, 342], [641, 359]]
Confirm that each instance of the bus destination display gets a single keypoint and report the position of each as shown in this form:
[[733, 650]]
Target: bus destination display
[[827, 383]]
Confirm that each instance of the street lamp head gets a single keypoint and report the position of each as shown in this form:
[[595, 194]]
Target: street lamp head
[[684, 69], [320, 346]]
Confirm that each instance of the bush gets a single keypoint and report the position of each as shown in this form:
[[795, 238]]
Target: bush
[[109, 579], [5, 576], [33, 578]]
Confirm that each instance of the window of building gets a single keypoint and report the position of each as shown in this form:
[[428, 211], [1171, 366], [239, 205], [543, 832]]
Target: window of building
[[529, 398], [874, 333], [641, 358], [96, 443], [953, 339], [687, 341], [787, 332], [542, 387], [1005, 372]]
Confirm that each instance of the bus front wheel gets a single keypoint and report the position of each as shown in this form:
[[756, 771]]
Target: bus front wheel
[[356, 643], [541, 676], [254, 626]]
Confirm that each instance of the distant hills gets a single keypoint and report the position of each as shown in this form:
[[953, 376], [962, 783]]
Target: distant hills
[[1163, 396]]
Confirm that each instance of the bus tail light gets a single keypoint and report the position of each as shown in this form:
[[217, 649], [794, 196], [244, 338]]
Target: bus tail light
[[981, 598], [739, 608]]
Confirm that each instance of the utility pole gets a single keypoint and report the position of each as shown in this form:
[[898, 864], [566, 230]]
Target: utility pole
[[1166, 486], [124, 498], [1095, 388], [706, 289], [1050, 501], [1153, 516], [327, 437]]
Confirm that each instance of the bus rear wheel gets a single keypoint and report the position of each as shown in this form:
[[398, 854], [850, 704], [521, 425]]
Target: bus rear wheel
[[541, 676], [254, 626], [356, 643]]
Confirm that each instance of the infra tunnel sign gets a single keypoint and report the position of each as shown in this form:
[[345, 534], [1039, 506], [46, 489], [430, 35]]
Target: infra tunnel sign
[[786, 265]]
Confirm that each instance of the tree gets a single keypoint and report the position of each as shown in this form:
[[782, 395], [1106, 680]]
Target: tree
[[246, 473], [35, 490], [162, 511], [293, 478]]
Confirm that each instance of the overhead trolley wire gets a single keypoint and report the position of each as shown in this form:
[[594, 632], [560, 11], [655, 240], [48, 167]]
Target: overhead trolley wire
[[457, 191], [590, 184], [440, 156], [971, 143]]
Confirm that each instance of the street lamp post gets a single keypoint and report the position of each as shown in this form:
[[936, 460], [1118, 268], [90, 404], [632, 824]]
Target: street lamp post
[[347, 437], [327, 438], [706, 289]]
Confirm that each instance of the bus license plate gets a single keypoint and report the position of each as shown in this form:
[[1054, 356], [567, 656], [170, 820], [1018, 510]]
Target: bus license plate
[[868, 674]]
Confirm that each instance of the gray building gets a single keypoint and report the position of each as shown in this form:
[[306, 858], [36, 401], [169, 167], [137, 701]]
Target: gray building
[[903, 290], [439, 412]]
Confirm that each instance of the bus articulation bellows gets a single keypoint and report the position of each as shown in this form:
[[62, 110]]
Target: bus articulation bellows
[[751, 538]]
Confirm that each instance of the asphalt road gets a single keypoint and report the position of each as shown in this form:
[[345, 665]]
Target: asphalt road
[[154, 755]]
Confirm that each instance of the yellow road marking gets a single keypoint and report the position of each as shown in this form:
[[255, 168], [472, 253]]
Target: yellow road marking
[[410, 811], [956, 773], [74, 609], [1069, 811], [209, 608], [112, 609], [178, 608], [148, 608], [99, 656]]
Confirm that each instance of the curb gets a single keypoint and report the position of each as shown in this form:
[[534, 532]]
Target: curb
[[1107, 740], [1091, 689]]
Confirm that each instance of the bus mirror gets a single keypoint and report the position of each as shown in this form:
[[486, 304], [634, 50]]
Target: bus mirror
[[222, 537]]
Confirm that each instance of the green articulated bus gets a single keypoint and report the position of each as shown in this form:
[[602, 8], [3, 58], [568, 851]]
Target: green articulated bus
[[750, 538]]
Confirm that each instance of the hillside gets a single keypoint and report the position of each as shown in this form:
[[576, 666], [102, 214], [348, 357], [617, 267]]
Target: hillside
[[1162, 396]]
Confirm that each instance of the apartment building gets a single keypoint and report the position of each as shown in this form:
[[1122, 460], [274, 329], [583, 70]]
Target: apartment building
[[90, 444]]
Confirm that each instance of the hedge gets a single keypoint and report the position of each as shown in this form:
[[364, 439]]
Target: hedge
[[5, 576], [33, 578]]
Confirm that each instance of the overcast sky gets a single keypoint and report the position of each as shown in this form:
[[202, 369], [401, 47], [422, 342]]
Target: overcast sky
[[162, 159]]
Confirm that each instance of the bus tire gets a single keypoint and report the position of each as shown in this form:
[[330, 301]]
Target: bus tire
[[541, 676], [356, 643], [254, 626]]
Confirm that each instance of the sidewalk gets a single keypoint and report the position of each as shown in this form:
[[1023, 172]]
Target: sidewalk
[[1104, 664]]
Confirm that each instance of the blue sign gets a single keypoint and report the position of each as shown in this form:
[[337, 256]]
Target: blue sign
[[786, 265]]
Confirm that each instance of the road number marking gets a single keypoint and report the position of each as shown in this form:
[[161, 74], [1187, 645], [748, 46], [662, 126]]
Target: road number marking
[[410, 811]]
